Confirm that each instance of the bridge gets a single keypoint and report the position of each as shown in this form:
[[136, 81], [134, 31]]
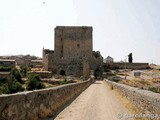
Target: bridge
[[97, 102], [94, 100]]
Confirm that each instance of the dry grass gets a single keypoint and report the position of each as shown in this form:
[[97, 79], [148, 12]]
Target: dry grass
[[141, 83], [137, 82], [130, 106], [156, 80], [48, 85]]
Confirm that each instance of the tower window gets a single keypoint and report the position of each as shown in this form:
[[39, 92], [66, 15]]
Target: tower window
[[78, 45]]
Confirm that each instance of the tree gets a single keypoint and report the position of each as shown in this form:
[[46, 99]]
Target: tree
[[97, 54], [130, 59], [34, 82], [24, 70], [16, 75], [12, 84]]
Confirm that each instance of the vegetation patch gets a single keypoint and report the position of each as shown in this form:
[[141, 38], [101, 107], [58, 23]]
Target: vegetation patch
[[5, 69], [64, 81], [34, 82], [12, 84], [154, 89]]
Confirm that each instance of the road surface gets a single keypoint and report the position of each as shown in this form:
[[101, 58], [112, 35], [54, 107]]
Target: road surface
[[97, 102]]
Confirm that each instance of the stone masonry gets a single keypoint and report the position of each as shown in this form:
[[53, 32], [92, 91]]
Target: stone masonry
[[39, 104], [72, 45], [146, 101]]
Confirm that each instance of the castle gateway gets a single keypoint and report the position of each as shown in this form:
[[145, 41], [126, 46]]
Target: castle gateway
[[73, 44]]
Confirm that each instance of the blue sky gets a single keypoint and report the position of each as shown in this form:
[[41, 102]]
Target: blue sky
[[119, 26]]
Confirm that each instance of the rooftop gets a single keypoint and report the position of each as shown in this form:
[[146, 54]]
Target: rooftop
[[7, 60]]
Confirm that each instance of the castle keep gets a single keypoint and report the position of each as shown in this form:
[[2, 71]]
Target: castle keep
[[72, 46], [73, 42]]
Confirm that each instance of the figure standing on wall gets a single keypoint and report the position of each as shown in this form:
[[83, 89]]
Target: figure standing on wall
[[130, 59]]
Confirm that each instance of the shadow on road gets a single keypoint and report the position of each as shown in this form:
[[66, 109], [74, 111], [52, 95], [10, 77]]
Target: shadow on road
[[54, 114]]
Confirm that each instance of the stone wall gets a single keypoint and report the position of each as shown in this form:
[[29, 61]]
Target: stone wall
[[86, 69], [4, 75], [36, 63], [129, 65], [39, 104], [7, 63], [71, 45], [146, 101], [42, 74], [47, 56], [73, 42]]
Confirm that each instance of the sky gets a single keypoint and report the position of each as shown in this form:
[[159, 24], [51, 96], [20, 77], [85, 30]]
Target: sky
[[120, 27]]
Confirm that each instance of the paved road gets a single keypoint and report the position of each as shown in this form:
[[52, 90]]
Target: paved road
[[97, 102]]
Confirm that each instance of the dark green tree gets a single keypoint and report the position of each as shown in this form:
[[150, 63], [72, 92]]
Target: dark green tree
[[24, 70], [34, 82], [13, 84], [16, 74], [130, 59], [96, 54]]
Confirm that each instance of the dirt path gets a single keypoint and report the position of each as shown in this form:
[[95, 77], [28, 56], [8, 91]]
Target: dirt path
[[96, 103]]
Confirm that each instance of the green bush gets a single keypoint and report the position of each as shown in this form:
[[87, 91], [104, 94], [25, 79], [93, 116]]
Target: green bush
[[65, 81], [24, 70], [16, 87], [12, 83], [16, 74], [34, 82], [31, 85], [4, 89], [40, 85], [154, 89], [3, 81], [5, 69], [97, 73], [13, 87]]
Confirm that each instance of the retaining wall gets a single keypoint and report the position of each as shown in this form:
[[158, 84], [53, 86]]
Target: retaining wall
[[146, 101], [130, 65], [39, 104]]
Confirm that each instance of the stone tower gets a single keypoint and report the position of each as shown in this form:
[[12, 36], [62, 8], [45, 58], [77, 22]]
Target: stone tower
[[72, 45], [73, 42]]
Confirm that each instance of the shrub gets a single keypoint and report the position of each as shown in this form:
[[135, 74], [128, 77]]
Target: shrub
[[31, 85], [5, 69], [16, 74], [154, 89], [24, 69], [4, 89], [97, 73], [65, 81], [40, 85], [11, 88], [16, 87], [11, 84], [2, 81], [34, 82]]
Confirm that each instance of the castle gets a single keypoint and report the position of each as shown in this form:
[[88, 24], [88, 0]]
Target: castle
[[73, 50]]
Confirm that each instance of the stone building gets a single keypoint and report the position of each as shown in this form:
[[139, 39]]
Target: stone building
[[72, 45], [7, 63], [109, 59], [36, 63]]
